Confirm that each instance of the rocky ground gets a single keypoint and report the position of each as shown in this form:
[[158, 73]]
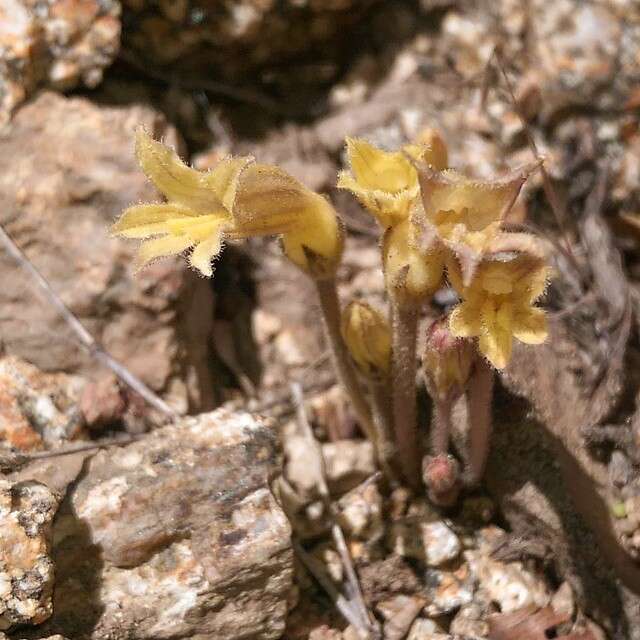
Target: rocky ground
[[213, 525]]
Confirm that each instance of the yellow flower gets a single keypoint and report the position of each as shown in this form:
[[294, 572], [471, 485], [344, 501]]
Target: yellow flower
[[236, 199], [368, 337], [466, 214], [386, 182], [499, 304], [410, 274]]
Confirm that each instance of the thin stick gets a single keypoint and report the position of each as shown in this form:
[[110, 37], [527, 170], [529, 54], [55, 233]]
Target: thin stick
[[343, 605], [336, 531], [558, 213], [403, 378], [328, 297], [14, 460], [85, 339], [479, 395]]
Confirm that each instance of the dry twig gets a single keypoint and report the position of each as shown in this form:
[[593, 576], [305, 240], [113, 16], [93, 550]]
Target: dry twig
[[367, 626], [86, 340]]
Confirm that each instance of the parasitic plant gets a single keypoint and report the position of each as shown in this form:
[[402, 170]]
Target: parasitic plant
[[437, 226]]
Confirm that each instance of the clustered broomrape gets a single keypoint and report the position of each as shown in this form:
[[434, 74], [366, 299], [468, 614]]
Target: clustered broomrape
[[437, 226]]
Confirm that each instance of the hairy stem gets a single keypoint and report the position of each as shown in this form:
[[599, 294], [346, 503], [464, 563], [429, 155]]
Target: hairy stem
[[383, 423], [479, 396], [328, 297], [440, 426], [403, 379]]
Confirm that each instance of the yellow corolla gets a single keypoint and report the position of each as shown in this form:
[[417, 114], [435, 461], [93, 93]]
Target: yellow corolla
[[498, 305], [367, 335], [236, 199], [467, 214], [411, 273], [386, 182]]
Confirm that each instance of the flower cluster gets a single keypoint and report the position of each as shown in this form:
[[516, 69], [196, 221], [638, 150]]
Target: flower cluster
[[436, 224], [237, 199], [441, 224]]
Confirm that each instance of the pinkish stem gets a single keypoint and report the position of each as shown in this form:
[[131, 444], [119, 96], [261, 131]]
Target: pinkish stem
[[479, 397]]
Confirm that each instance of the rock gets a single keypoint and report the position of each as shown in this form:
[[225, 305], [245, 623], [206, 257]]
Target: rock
[[56, 44], [66, 171], [509, 585], [469, 623], [26, 569], [37, 410], [347, 463], [439, 542], [240, 37], [176, 536], [449, 590], [399, 613], [423, 536], [425, 629], [563, 600], [360, 513]]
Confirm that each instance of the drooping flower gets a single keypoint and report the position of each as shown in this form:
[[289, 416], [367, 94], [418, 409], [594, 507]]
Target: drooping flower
[[386, 182], [499, 304], [236, 199], [466, 214], [367, 335]]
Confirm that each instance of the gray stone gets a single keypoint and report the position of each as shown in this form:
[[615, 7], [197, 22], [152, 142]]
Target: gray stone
[[176, 536], [26, 567]]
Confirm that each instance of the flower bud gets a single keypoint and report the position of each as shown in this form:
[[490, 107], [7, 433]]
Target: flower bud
[[441, 475], [435, 150], [446, 362], [316, 247], [368, 337], [410, 275]]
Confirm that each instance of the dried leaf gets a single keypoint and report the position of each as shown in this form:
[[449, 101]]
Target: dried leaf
[[530, 624]]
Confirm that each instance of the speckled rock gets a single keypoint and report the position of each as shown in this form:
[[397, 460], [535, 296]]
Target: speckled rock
[[348, 462], [360, 513], [440, 543], [176, 536], [425, 629], [449, 590], [55, 44], [37, 410], [26, 568], [422, 535], [510, 585], [67, 170]]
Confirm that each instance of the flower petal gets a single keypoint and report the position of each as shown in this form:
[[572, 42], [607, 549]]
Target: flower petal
[[496, 345], [486, 202], [145, 220], [161, 247], [464, 321], [530, 326], [205, 252], [388, 208], [224, 178], [377, 169], [178, 182], [270, 201]]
